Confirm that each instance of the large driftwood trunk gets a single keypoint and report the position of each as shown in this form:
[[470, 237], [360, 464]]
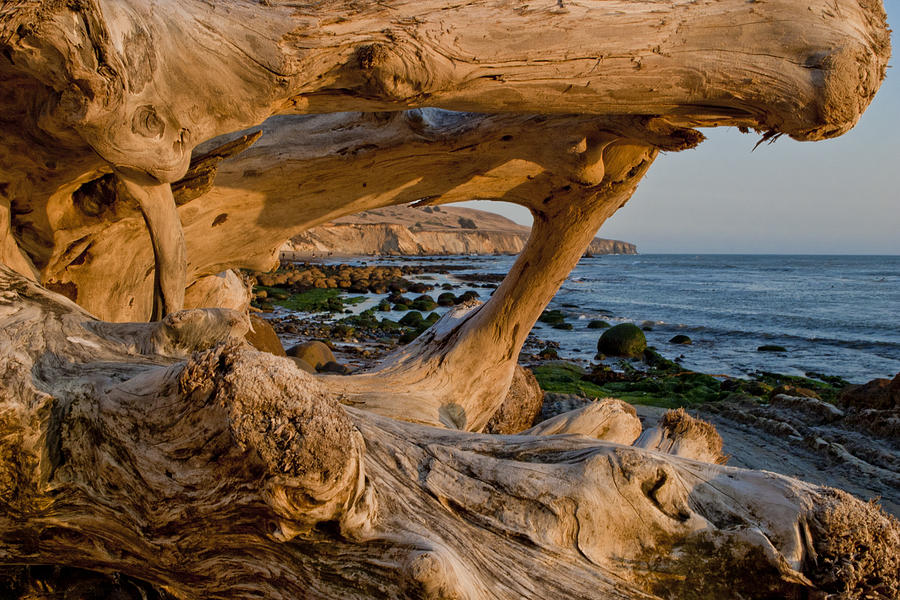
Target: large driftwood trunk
[[97, 86], [306, 170], [229, 473], [171, 455]]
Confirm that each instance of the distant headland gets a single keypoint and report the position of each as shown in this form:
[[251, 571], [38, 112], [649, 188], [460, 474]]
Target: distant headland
[[427, 230]]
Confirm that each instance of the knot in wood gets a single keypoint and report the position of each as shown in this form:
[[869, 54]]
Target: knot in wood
[[147, 123], [399, 72]]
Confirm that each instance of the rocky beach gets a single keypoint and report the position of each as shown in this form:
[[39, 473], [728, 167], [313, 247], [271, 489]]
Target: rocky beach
[[340, 318]]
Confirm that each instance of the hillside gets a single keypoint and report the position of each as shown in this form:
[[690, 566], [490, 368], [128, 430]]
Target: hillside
[[428, 230]]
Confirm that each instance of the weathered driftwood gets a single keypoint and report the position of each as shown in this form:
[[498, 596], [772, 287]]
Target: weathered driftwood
[[457, 373], [231, 473], [97, 85], [305, 170], [228, 473]]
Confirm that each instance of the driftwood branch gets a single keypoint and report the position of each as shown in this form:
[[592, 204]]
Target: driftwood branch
[[98, 85], [229, 473], [306, 170]]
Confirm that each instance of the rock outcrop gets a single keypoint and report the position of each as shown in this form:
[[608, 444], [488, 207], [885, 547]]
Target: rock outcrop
[[426, 230]]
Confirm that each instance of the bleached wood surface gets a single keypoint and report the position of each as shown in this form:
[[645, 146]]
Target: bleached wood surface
[[229, 473], [172, 453]]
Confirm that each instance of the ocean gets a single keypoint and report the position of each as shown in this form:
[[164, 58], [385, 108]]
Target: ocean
[[836, 315]]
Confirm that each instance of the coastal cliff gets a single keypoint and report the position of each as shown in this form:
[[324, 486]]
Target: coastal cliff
[[408, 230]]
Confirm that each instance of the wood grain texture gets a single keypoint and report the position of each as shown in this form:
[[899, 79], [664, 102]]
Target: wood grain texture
[[99, 85], [173, 454], [229, 473]]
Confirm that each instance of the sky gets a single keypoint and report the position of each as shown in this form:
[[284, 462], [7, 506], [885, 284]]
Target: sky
[[839, 196]]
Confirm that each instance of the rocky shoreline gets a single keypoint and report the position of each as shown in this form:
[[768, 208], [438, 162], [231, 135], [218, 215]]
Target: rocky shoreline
[[828, 430]]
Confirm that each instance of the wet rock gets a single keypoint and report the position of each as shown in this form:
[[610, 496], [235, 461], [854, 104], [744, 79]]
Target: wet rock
[[601, 374], [548, 353], [879, 394], [397, 298], [749, 387], [263, 337], [447, 299], [412, 334], [793, 390], [333, 367], [424, 303], [598, 324], [552, 317], [657, 361], [771, 348], [681, 339], [412, 319], [388, 325], [343, 331], [622, 340]]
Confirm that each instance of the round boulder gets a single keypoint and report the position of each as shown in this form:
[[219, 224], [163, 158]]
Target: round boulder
[[314, 353], [681, 339], [446, 299], [412, 319], [626, 339], [263, 337], [304, 366]]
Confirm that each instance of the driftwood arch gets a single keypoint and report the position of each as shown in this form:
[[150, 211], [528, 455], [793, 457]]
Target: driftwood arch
[[132, 172]]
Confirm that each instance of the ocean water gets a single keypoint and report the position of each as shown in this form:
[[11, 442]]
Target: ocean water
[[836, 315]]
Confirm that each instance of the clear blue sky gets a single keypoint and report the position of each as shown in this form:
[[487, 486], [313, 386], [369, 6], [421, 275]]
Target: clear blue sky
[[839, 196]]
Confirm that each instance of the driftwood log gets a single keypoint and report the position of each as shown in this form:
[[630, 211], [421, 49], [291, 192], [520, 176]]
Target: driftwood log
[[101, 98], [230, 473], [169, 459]]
